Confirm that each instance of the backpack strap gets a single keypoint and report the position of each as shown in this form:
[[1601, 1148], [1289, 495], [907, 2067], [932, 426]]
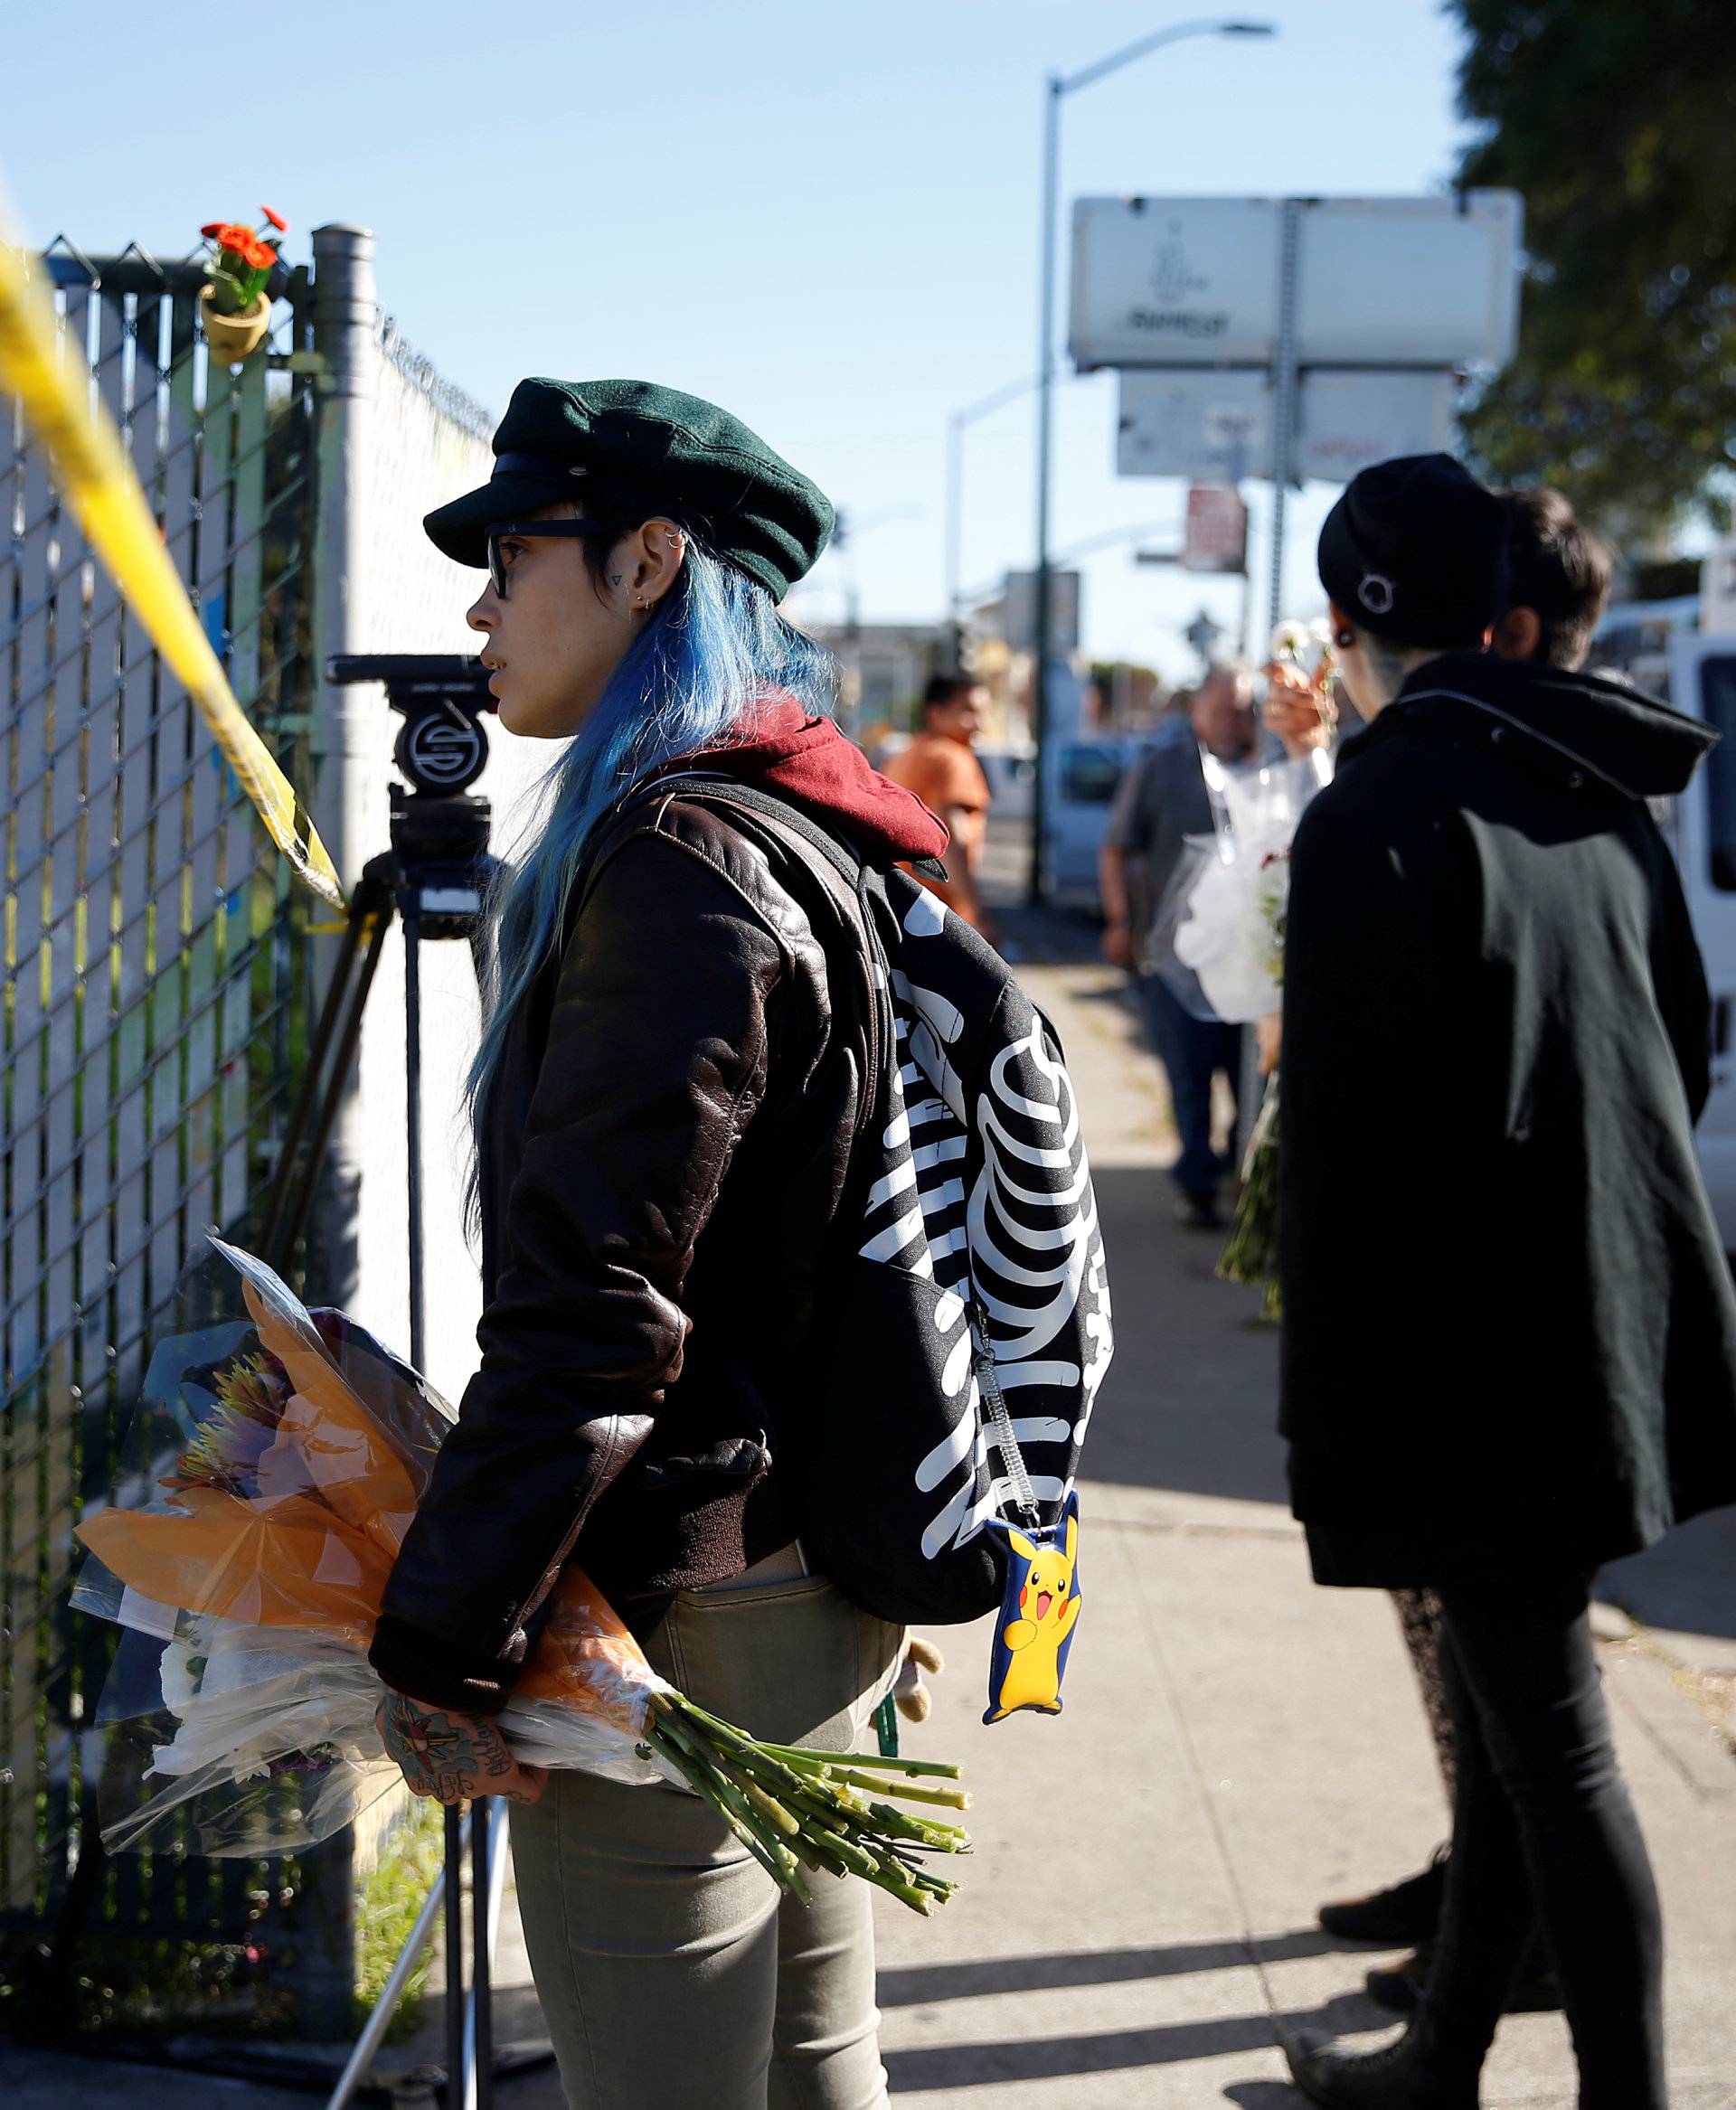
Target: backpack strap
[[840, 873], [1000, 1422]]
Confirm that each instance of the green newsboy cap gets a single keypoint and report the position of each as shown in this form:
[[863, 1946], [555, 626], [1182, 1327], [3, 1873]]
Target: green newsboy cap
[[636, 447]]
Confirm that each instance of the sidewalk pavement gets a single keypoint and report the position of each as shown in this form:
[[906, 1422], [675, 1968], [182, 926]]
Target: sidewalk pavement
[[1138, 1918]]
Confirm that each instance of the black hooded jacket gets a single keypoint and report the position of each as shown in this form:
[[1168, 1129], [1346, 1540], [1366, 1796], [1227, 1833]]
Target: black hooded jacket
[[1509, 1335]]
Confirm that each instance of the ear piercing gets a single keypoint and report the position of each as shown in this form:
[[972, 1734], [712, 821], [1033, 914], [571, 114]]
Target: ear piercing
[[1343, 640]]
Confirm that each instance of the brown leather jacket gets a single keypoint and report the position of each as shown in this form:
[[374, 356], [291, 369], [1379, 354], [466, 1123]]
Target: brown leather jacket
[[667, 1147]]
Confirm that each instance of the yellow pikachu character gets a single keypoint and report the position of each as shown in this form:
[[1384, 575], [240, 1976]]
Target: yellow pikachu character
[[1038, 1614]]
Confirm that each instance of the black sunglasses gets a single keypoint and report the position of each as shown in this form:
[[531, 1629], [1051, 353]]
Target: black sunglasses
[[524, 530]]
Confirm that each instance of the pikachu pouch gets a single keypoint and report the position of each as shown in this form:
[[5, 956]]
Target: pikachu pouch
[[1035, 1628]]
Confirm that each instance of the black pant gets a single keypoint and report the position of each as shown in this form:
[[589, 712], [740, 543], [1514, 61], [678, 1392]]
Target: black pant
[[1542, 1814]]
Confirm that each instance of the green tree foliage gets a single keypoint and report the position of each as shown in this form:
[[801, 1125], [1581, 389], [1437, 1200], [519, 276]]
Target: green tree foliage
[[1617, 122]]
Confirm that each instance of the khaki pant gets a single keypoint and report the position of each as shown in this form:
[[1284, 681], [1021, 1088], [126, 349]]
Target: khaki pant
[[672, 1975]]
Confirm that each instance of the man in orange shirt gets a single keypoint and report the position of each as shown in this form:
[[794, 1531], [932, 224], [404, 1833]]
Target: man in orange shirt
[[939, 767]]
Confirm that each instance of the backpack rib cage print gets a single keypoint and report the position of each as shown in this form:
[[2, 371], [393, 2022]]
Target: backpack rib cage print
[[969, 1261]]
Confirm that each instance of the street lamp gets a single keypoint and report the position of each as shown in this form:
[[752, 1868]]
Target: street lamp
[[1058, 86]]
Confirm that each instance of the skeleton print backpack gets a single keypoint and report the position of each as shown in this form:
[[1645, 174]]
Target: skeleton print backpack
[[964, 1330]]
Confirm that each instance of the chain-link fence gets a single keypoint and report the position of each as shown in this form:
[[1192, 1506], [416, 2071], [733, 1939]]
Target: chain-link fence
[[155, 971], [161, 969]]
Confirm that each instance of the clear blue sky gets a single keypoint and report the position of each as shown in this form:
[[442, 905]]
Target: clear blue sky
[[825, 217]]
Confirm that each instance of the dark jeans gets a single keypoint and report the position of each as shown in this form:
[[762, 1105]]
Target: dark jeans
[[1192, 1051], [1543, 1814]]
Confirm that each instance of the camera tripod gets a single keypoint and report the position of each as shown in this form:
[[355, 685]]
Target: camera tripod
[[433, 879]]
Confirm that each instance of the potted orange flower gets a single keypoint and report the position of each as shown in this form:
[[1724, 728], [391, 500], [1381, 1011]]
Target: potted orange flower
[[235, 306]]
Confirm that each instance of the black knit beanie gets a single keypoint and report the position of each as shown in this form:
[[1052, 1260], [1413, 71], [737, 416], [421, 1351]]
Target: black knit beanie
[[1416, 551]]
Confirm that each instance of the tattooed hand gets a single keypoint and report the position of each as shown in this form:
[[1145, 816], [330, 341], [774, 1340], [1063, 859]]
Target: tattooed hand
[[451, 1757]]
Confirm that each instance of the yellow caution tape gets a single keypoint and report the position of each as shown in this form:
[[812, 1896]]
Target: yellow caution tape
[[96, 479]]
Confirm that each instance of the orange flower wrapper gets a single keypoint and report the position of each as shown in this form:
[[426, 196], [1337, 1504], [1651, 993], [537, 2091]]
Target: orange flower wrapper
[[273, 1471], [261, 1561]]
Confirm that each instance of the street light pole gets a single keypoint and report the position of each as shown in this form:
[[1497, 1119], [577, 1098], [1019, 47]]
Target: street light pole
[[1057, 86], [1054, 89]]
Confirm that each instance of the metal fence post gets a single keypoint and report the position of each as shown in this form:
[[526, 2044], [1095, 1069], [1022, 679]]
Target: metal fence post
[[345, 323]]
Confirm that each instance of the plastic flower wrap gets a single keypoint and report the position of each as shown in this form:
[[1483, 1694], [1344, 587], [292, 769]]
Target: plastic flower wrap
[[1250, 1252], [271, 1474], [1218, 939]]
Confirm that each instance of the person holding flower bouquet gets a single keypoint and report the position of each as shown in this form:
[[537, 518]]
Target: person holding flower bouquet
[[1497, 1042], [665, 1100], [1162, 806]]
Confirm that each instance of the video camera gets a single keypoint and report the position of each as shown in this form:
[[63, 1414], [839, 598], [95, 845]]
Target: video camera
[[439, 830]]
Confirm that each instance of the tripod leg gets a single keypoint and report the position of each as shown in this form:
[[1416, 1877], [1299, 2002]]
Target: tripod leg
[[336, 1079], [413, 1111], [455, 1833], [282, 1178], [487, 1879]]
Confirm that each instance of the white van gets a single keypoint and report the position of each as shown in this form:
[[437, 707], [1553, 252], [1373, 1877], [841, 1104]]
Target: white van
[[1658, 647], [1702, 683]]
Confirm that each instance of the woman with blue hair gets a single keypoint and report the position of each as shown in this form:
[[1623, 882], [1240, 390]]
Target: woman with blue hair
[[664, 1102]]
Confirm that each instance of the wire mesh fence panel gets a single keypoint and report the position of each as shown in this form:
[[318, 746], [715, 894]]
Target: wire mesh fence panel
[[154, 976]]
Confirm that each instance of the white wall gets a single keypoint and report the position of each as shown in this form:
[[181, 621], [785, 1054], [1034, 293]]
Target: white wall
[[419, 456]]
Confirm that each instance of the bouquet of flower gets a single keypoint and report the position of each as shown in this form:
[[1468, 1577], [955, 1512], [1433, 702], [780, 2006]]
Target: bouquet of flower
[[241, 261], [274, 1470], [1223, 917]]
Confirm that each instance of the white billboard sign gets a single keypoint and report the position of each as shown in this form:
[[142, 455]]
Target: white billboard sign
[[1218, 426], [1409, 281], [1208, 428], [1174, 281], [1380, 281], [1344, 421]]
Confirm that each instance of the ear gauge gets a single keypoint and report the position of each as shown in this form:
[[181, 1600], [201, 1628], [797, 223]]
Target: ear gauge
[[1343, 640]]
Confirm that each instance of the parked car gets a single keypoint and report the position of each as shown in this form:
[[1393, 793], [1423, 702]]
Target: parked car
[[1082, 776]]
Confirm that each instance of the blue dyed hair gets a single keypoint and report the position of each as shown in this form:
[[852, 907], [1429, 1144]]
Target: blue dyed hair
[[715, 649]]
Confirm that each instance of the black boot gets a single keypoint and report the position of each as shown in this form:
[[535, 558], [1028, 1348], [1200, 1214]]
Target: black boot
[[1404, 1912], [1399, 1986], [1400, 2075]]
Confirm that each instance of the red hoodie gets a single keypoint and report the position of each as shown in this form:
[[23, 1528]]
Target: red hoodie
[[808, 761]]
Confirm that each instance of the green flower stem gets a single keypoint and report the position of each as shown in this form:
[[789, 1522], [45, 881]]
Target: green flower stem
[[705, 1789], [771, 1808], [779, 1862], [951, 1798], [944, 1838], [794, 1807], [856, 1858], [795, 1787], [795, 1755], [1250, 1251]]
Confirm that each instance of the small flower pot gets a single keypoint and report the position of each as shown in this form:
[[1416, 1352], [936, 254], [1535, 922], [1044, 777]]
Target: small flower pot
[[234, 337]]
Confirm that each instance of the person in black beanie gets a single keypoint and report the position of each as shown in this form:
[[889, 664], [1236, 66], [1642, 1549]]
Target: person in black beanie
[[1558, 581], [1497, 1042]]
